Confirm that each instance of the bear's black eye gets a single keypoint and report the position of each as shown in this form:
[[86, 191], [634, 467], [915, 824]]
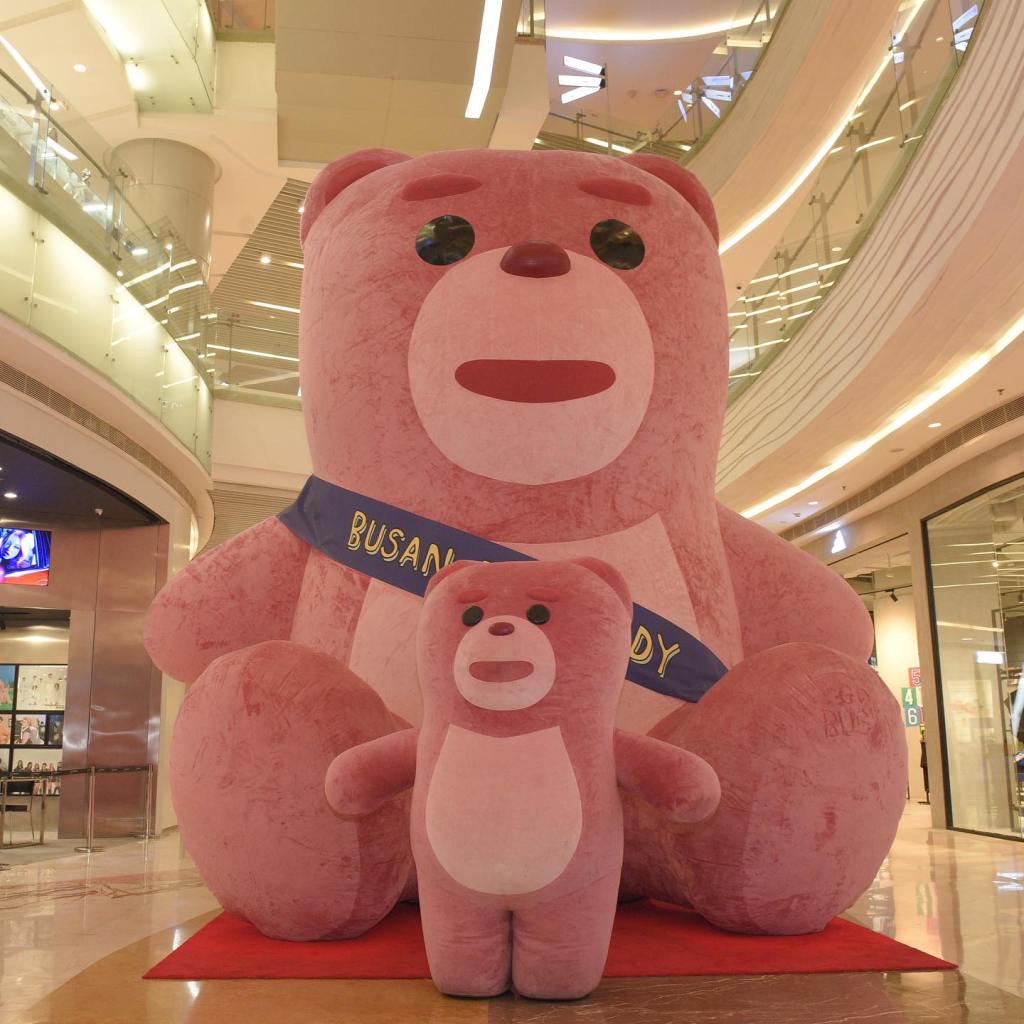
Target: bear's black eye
[[472, 615], [538, 614], [617, 244], [445, 240]]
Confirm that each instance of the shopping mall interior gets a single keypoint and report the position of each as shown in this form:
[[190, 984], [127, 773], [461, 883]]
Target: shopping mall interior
[[212, 210]]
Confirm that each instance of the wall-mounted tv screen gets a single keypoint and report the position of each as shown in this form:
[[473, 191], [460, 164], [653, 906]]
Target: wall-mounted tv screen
[[24, 556]]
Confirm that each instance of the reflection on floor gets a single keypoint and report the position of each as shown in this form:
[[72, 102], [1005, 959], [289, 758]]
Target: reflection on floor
[[77, 933]]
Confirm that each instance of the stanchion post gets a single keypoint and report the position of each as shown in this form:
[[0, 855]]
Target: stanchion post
[[149, 801], [3, 815], [90, 825]]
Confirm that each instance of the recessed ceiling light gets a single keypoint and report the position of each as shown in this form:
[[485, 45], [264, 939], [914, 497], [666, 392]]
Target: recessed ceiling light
[[302, 208], [140, 250], [837, 248], [120, 273], [677, 92], [10, 494], [80, 68], [814, 503], [265, 259], [934, 426], [169, 246]]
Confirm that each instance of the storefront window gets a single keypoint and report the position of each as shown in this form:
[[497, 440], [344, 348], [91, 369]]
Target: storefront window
[[976, 554]]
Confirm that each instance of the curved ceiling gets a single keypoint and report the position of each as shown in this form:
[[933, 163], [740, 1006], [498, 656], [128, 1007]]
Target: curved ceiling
[[923, 327]]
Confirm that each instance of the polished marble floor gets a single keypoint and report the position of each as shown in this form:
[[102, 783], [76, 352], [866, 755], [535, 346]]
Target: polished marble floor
[[77, 933]]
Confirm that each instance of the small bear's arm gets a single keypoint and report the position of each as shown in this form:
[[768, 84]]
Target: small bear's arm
[[365, 777], [242, 592], [681, 785], [783, 595]]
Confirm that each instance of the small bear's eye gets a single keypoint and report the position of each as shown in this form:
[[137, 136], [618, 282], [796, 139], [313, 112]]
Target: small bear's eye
[[472, 615], [617, 244], [445, 240], [538, 614]]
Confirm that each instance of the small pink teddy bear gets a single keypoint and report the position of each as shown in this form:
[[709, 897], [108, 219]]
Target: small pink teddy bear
[[516, 774]]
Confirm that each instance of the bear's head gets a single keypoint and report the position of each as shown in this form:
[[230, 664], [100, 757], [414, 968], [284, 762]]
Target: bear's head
[[511, 646], [530, 346]]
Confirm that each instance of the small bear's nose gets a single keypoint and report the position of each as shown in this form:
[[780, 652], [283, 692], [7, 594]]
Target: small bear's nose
[[502, 628], [536, 259]]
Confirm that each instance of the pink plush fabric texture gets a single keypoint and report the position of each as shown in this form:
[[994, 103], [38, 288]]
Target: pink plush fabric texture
[[626, 475], [516, 813]]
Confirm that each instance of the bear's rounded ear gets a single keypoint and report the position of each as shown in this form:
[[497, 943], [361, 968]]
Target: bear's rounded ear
[[444, 573], [683, 181], [337, 176], [610, 575]]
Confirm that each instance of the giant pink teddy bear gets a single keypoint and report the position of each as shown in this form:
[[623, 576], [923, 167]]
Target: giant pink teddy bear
[[516, 814], [528, 350]]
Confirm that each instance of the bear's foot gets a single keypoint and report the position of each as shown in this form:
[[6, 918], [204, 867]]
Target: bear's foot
[[251, 747], [808, 744]]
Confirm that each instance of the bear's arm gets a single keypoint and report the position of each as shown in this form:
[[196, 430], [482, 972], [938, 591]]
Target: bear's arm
[[681, 785], [241, 593], [365, 777], [783, 595]]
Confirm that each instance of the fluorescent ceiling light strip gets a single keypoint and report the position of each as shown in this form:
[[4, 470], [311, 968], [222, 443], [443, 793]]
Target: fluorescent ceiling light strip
[[27, 68], [578, 64], [484, 58], [761, 344], [774, 205], [271, 305], [146, 276], [188, 337], [604, 35], [184, 287], [183, 264], [253, 352], [837, 263], [578, 94], [874, 142], [60, 150], [588, 80], [968, 15], [155, 302], [297, 266], [909, 412]]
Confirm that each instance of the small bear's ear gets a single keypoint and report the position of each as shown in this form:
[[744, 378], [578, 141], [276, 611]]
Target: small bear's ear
[[444, 573], [337, 176], [610, 575], [683, 181]]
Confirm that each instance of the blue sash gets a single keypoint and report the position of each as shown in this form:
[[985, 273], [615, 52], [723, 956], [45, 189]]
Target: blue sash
[[388, 543]]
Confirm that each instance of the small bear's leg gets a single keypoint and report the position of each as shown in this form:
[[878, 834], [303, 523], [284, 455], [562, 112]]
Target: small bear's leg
[[559, 948], [469, 943], [808, 744], [251, 747]]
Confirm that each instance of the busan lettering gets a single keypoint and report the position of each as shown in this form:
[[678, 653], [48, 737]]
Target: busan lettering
[[392, 544]]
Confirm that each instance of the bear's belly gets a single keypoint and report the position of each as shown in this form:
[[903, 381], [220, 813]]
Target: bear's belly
[[503, 815], [384, 651]]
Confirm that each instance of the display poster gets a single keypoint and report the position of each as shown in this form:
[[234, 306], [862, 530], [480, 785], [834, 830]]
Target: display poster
[[42, 687], [29, 730]]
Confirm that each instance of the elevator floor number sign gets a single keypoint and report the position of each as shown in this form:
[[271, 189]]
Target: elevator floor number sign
[[911, 701]]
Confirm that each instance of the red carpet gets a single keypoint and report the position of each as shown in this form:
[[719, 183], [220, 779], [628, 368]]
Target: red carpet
[[650, 940]]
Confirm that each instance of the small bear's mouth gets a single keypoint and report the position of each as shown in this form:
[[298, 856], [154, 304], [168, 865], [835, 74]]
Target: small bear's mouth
[[535, 380], [500, 671]]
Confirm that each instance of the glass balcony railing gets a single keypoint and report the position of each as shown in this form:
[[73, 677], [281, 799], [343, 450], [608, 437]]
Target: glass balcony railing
[[243, 19], [688, 115], [928, 45], [83, 268]]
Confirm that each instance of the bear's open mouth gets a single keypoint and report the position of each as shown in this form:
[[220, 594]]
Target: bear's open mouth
[[500, 671], [535, 380]]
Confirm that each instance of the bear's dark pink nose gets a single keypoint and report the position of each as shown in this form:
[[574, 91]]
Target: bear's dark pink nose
[[502, 628], [536, 259]]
